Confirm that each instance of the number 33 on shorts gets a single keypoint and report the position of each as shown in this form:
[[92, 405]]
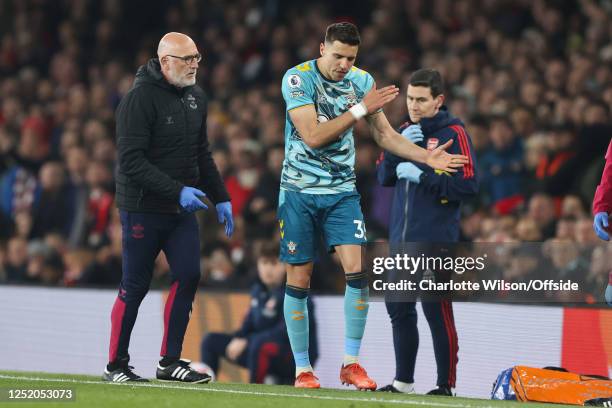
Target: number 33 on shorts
[[361, 231]]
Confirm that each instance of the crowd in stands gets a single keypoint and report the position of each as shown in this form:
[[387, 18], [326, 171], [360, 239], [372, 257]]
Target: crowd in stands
[[531, 79]]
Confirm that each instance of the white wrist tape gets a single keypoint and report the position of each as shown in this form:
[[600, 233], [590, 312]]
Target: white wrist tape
[[358, 111]]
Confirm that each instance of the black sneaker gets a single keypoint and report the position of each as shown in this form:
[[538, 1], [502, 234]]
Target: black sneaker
[[181, 371], [442, 390], [388, 388], [599, 402], [122, 374]]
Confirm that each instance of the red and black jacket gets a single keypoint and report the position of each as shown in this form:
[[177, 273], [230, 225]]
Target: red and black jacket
[[429, 211]]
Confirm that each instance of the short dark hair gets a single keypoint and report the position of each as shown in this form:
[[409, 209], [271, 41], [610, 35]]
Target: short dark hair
[[269, 250], [429, 78], [344, 32]]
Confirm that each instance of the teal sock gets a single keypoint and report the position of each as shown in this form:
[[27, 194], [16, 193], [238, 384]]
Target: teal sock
[[355, 315], [295, 310]]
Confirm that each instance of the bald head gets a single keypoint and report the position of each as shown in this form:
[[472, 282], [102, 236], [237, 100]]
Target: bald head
[[179, 58], [176, 44]]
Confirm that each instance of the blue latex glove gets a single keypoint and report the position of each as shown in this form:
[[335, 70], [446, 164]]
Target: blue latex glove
[[224, 213], [609, 293], [189, 200], [414, 133], [409, 171], [600, 223]]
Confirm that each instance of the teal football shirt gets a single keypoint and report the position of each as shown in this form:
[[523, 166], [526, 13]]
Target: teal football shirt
[[330, 169]]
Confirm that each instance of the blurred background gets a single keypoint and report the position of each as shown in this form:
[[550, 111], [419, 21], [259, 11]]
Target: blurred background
[[531, 80]]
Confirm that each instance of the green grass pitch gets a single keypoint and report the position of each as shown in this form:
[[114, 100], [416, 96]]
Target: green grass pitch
[[92, 392]]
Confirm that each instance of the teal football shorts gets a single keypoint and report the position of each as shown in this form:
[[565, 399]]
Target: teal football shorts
[[303, 218]]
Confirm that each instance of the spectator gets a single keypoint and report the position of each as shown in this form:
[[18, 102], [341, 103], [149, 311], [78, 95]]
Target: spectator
[[261, 344], [541, 209], [94, 204], [567, 264], [599, 268], [106, 270], [527, 230], [44, 265], [502, 167], [260, 210], [55, 206], [16, 260], [555, 167]]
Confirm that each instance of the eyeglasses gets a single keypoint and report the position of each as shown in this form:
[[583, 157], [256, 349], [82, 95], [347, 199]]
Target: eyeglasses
[[188, 59]]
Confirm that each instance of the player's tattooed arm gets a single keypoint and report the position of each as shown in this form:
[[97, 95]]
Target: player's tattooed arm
[[318, 134], [315, 134], [387, 138]]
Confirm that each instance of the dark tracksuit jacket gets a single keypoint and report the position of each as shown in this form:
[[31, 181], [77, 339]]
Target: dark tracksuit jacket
[[428, 212], [265, 316], [162, 145]]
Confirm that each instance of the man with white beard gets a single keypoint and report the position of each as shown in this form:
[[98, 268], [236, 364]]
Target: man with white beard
[[165, 168]]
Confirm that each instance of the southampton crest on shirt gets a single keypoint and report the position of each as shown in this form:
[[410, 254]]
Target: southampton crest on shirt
[[192, 101]]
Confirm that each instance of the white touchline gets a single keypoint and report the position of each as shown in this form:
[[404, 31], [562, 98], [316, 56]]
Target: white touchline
[[266, 394]]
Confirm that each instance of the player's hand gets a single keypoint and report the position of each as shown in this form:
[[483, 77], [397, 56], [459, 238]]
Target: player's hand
[[441, 160], [235, 348], [408, 171], [377, 98], [414, 133], [224, 214], [600, 225], [189, 199]]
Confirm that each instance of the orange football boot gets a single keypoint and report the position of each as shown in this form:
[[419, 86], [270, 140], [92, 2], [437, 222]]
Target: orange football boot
[[356, 375], [307, 379]]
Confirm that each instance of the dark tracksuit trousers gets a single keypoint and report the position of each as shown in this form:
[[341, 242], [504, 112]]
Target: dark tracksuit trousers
[[428, 212], [144, 236], [438, 310], [439, 316], [262, 356]]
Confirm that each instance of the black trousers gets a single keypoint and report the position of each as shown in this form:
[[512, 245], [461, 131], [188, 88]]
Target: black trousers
[[263, 355], [406, 339], [144, 236]]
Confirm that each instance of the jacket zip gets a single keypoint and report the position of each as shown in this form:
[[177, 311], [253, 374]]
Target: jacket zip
[[184, 119]]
